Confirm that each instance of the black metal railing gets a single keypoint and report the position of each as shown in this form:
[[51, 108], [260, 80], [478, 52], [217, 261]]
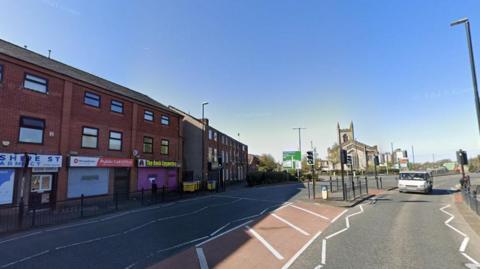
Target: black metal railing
[[472, 198]]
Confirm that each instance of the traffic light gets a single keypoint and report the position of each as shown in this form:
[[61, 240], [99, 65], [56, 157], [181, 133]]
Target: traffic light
[[343, 156], [310, 160], [349, 159], [376, 161], [462, 158]]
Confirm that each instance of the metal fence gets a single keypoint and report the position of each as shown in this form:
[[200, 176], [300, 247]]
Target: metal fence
[[355, 187], [23, 216], [472, 198]]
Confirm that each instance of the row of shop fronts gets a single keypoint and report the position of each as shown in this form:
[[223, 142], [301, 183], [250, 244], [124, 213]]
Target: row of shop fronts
[[37, 182]]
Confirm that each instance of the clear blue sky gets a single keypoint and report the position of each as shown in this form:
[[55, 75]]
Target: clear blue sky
[[396, 68]]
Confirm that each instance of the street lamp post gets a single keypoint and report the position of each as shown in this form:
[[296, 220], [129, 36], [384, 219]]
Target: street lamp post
[[472, 63], [203, 141], [299, 146]]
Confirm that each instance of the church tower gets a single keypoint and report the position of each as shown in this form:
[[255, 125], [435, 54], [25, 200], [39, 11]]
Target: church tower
[[346, 135]]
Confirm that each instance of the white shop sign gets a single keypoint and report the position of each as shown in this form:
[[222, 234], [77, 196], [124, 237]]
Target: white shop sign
[[46, 161], [11, 160]]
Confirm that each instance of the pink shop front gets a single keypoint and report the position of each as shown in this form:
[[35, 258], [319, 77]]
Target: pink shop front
[[164, 173]]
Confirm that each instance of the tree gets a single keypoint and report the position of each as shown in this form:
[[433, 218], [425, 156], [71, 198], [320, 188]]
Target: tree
[[267, 163], [334, 154]]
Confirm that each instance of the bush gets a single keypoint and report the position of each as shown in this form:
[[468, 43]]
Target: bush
[[260, 178]]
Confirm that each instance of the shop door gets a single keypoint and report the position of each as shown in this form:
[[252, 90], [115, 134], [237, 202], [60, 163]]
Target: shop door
[[42, 193], [121, 182]]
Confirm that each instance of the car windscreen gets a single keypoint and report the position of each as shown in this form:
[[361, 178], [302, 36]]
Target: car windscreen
[[412, 176]]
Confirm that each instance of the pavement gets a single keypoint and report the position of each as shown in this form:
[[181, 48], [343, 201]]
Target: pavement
[[262, 227]]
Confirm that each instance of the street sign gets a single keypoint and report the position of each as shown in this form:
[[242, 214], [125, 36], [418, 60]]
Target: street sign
[[292, 159]]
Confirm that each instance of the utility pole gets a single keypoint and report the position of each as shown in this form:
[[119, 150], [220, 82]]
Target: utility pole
[[299, 145], [341, 162], [203, 142], [413, 158], [472, 64], [366, 162]]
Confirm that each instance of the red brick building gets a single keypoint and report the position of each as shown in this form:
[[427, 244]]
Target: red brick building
[[83, 134]]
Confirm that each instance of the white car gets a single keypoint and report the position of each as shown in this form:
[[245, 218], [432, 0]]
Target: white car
[[415, 181]]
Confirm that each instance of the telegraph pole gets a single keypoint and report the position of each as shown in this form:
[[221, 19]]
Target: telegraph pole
[[341, 162], [299, 146]]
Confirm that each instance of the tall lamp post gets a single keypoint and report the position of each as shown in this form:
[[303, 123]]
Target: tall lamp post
[[203, 141], [472, 63], [299, 146]]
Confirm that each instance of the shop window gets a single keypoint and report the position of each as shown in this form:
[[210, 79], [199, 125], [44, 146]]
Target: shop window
[[41, 183], [91, 99], [116, 106], [1, 73], [147, 144], [115, 141], [164, 147], [31, 130], [89, 138], [148, 115], [35, 83], [165, 120]]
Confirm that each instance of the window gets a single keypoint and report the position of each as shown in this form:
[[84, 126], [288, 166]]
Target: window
[[116, 106], [148, 115], [147, 144], [41, 183], [209, 134], [210, 153], [214, 136], [164, 147], [35, 83], [90, 138], [115, 141], [91, 99], [31, 130], [215, 156], [165, 120], [1, 73]]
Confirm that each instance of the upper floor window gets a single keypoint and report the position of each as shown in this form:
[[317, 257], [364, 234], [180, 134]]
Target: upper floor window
[[148, 115], [116, 106], [165, 120], [91, 99], [147, 144], [164, 147], [115, 141], [31, 130], [214, 136], [35, 83], [89, 138], [1, 73], [209, 134]]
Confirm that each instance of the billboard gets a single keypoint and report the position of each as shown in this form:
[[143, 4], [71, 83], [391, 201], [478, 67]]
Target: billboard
[[292, 160]]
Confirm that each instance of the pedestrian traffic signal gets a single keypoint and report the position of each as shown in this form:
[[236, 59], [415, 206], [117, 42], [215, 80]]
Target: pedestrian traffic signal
[[349, 159], [343, 156], [462, 158], [310, 160]]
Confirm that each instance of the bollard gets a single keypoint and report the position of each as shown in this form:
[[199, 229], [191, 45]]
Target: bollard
[[376, 180], [82, 197], [366, 185], [381, 183], [359, 186], [331, 186], [353, 189]]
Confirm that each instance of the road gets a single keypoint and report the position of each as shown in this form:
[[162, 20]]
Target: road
[[398, 230], [266, 227]]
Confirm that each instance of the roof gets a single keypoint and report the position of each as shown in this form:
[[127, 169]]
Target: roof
[[31, 57]]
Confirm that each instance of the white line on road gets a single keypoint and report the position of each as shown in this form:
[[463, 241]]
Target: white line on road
[[347, 224], [265, 243], [310, 212], [465, 240], [201, 258], [218, 235], [20, 237], [25, 259], [182, 244], [290, 224], [219, 229], [283, 206], [339, 215], [299, 252]]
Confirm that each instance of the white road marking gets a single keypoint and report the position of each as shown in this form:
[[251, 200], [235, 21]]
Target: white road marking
[[87, 241], [247, 198], [20, 237], [201, 258], [218, 235], [283, 206], [347, 224], [25, 259], [290, 224], [300, 251], [310, 212], [138, 227], [182, 244], [265, 243], [465, 240], [219, 229], [339, 215]]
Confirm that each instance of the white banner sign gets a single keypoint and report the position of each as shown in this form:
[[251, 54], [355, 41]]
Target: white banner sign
[[11, 160], [45, 160]]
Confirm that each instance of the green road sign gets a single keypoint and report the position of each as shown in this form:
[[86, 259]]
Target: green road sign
[[292, 159]]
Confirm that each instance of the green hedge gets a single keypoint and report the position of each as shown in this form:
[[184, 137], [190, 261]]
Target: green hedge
[[259, 178]]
